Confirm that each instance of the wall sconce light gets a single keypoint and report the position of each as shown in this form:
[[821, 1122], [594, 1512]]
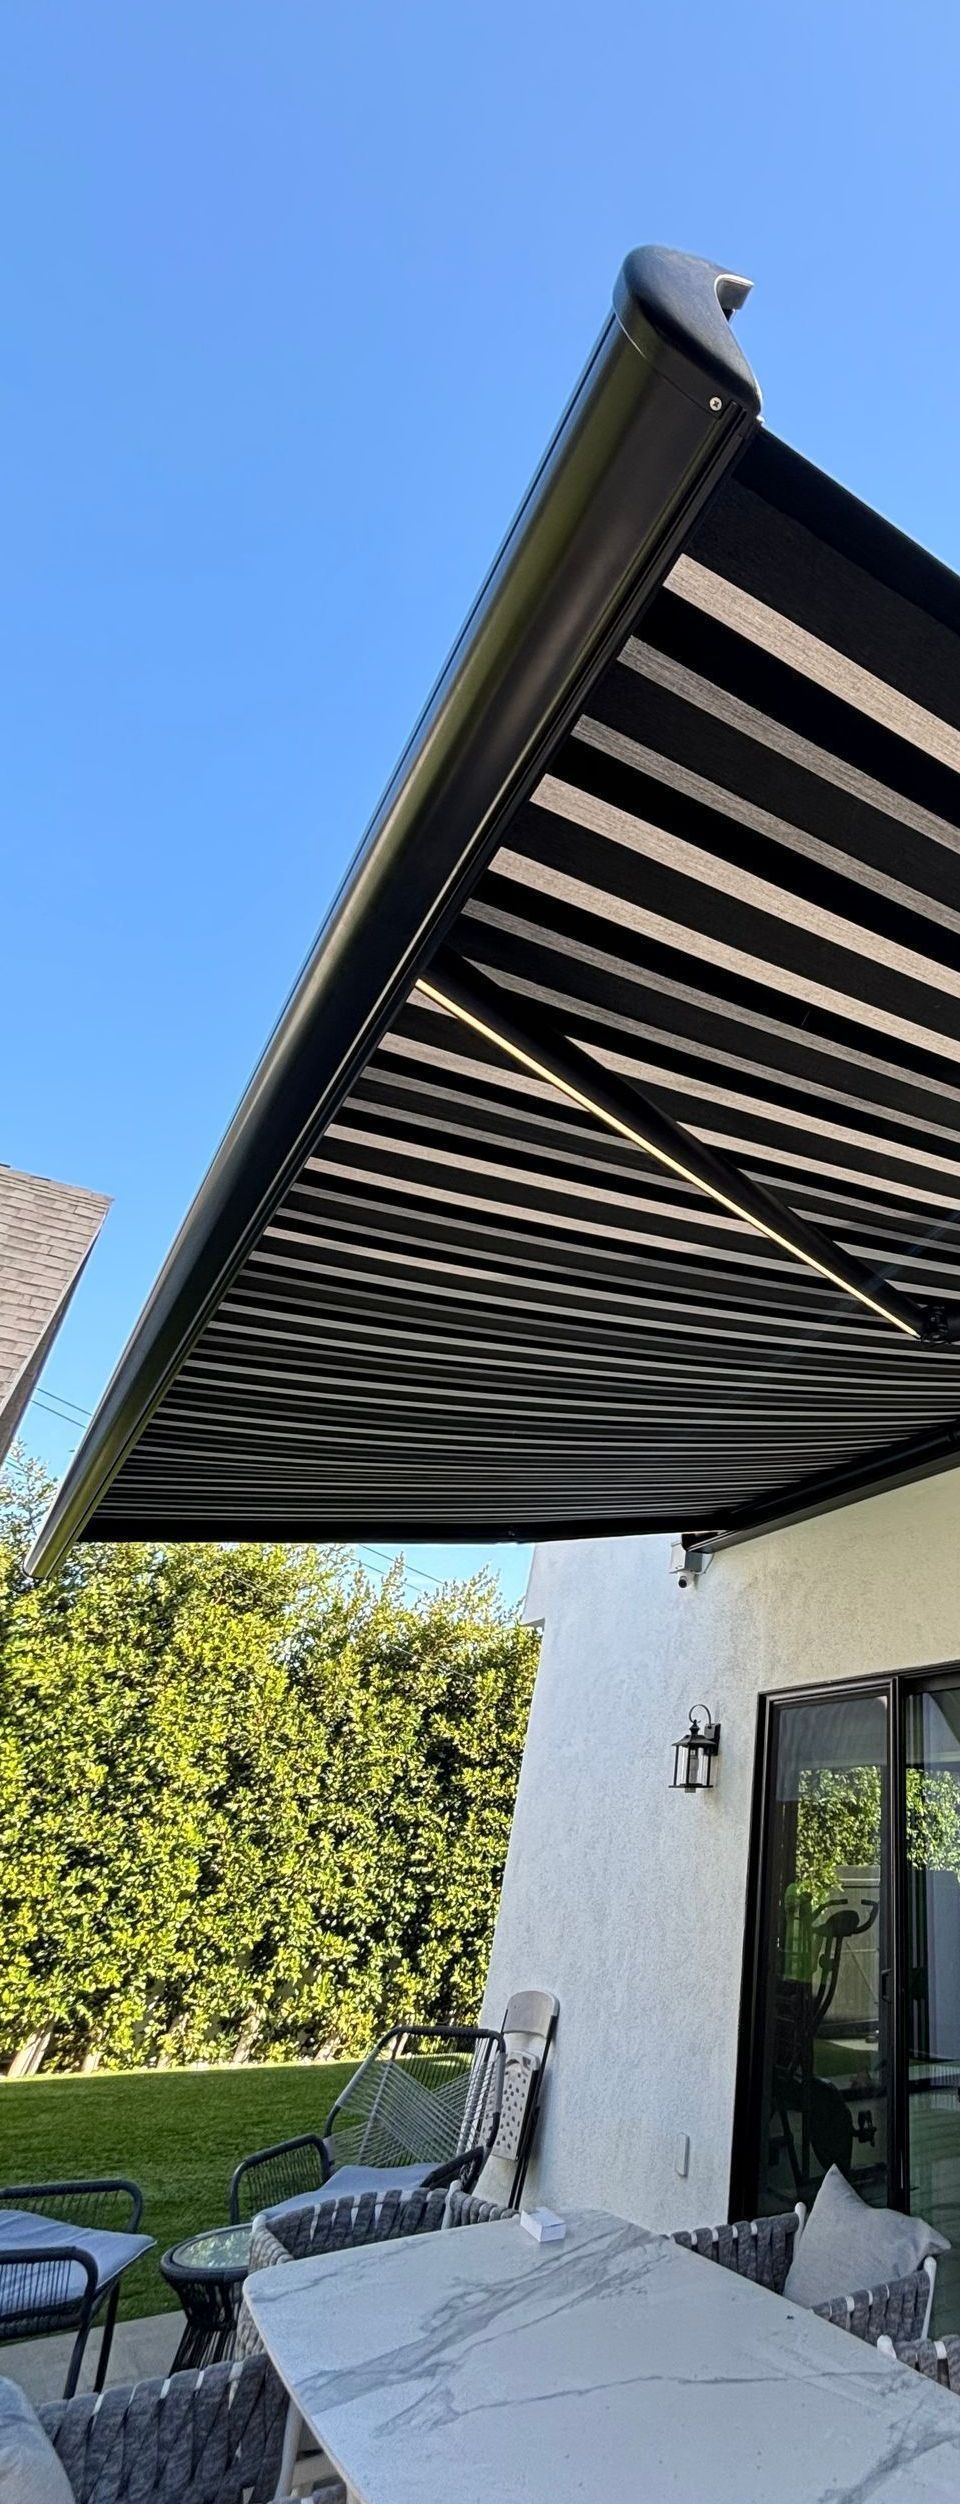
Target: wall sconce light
[[694, 1754]]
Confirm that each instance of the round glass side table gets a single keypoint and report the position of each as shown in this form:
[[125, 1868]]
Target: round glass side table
[[207, 2272]]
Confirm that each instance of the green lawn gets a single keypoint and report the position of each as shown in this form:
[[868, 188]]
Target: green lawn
[[179, 2133]]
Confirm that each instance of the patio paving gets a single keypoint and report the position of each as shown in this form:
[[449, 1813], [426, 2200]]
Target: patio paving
[[140, 2350]]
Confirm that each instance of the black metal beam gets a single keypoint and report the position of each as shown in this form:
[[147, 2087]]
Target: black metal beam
[[528, 1035], [305, 1529], [665, 405], [899, 1464]]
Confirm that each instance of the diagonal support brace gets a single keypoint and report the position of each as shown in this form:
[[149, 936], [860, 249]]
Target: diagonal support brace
[[528, 1036]]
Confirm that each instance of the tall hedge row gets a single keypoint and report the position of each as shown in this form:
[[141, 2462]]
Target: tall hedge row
[[254, 1803]]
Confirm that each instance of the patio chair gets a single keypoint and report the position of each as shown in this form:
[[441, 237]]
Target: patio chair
[[64, 2247], [424, 2107], [214, 2436], [340, 2225], [528, 2028], [939, 2359], [899, 2310], [762, 2248]]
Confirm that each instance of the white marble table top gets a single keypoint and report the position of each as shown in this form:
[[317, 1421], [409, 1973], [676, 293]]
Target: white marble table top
[[479, 2367]]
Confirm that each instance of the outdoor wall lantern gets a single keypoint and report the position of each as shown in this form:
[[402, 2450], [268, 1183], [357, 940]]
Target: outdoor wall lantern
[[694, 1754]]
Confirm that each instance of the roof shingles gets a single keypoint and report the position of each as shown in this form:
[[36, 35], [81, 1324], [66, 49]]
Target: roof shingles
[[47, 1231]]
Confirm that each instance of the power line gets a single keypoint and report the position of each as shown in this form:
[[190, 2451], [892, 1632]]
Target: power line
[[59, 1399], [419, 1571], [66, 1416]]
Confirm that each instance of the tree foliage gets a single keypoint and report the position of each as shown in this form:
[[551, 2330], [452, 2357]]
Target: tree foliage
[[839, 1824], [253, 1802]]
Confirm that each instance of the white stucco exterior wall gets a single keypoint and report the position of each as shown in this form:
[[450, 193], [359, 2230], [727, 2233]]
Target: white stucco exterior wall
[[627, 1898]]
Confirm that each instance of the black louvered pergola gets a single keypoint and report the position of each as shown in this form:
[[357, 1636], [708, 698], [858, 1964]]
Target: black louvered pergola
[[603, 1172]]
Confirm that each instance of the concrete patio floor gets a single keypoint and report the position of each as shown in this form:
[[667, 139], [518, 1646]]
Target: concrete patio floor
[[140, 2350]]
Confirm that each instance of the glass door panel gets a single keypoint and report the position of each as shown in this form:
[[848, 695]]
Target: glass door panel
[[932, 1760], [825, 2078]]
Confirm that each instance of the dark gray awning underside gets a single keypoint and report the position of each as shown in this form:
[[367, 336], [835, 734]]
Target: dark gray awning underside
[[735, 884]]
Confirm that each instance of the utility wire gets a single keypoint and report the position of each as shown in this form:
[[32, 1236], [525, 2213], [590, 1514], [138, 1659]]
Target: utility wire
[[61, 1401], [419, 1571], [67, 1417]]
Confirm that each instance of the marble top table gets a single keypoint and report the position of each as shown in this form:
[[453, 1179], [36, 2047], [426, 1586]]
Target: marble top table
[[476, 2366]]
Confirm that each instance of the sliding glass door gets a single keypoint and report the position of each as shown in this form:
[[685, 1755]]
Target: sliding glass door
[[932, 1840], [850, 2040], [823, 2083]]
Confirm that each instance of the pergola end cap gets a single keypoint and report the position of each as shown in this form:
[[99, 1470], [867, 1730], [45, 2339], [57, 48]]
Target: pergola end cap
[[683, 306]]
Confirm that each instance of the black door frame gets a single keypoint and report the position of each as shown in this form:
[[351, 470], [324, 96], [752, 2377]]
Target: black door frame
[[895, 1686]]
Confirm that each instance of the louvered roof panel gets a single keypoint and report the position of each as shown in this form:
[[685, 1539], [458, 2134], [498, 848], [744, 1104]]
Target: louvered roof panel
[[721, 889], [734, 884]]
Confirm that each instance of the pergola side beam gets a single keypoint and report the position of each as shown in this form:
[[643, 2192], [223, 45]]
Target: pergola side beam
[[664, 407]]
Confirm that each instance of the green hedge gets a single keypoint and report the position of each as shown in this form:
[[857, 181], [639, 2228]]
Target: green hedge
[[253, 1802]]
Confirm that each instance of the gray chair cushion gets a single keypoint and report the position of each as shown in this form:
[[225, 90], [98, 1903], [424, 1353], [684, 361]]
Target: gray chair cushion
[[30, 2472], [846, 2245], [24, 2229], [348, 2183]]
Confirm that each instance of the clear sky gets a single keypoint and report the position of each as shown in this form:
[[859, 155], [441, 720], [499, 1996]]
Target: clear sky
[[293, 293]]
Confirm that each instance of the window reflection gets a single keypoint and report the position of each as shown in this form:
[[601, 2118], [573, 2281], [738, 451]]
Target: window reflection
[[830, 2033], [826, 2066], [933, 1920]]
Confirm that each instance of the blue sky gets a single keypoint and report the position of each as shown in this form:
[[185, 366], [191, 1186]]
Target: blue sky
[[293, 294]]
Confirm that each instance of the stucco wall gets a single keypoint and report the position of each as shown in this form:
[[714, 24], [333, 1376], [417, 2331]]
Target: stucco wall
[[626, 1898]]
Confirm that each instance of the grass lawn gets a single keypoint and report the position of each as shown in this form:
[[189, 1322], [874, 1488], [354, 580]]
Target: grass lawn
[[179, 2133]]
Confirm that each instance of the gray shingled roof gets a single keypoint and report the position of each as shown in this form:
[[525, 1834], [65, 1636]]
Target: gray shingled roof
[[47, 1230]]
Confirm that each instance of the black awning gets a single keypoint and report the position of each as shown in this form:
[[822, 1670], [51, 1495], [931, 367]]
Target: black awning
[[604, 1172]]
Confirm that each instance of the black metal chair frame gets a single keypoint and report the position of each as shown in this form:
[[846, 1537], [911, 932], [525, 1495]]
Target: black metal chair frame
[[48, 2305], [284, 2175], [290, 2166]]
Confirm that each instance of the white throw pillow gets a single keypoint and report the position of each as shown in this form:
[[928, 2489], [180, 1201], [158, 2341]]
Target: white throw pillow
[[846, 2246], [30, 2472]]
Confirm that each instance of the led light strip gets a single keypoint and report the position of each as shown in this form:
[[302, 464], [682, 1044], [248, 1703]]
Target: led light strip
[[528, 1059]]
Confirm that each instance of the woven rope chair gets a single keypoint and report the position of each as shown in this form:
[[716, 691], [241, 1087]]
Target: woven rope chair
[[899, 2310], [939, 2359], [343, 2225], [466, 2208], [762, 2248], [46, 2287], [427, 2099], [425, 2094], [211, 2437], [759, 2248]]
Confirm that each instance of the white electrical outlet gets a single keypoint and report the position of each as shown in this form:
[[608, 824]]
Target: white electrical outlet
[[681, 2158]]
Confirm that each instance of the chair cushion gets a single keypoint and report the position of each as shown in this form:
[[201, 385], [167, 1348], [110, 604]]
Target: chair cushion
[[24, 2229], [348, 2183], [30, 2472], [845, 2245]]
